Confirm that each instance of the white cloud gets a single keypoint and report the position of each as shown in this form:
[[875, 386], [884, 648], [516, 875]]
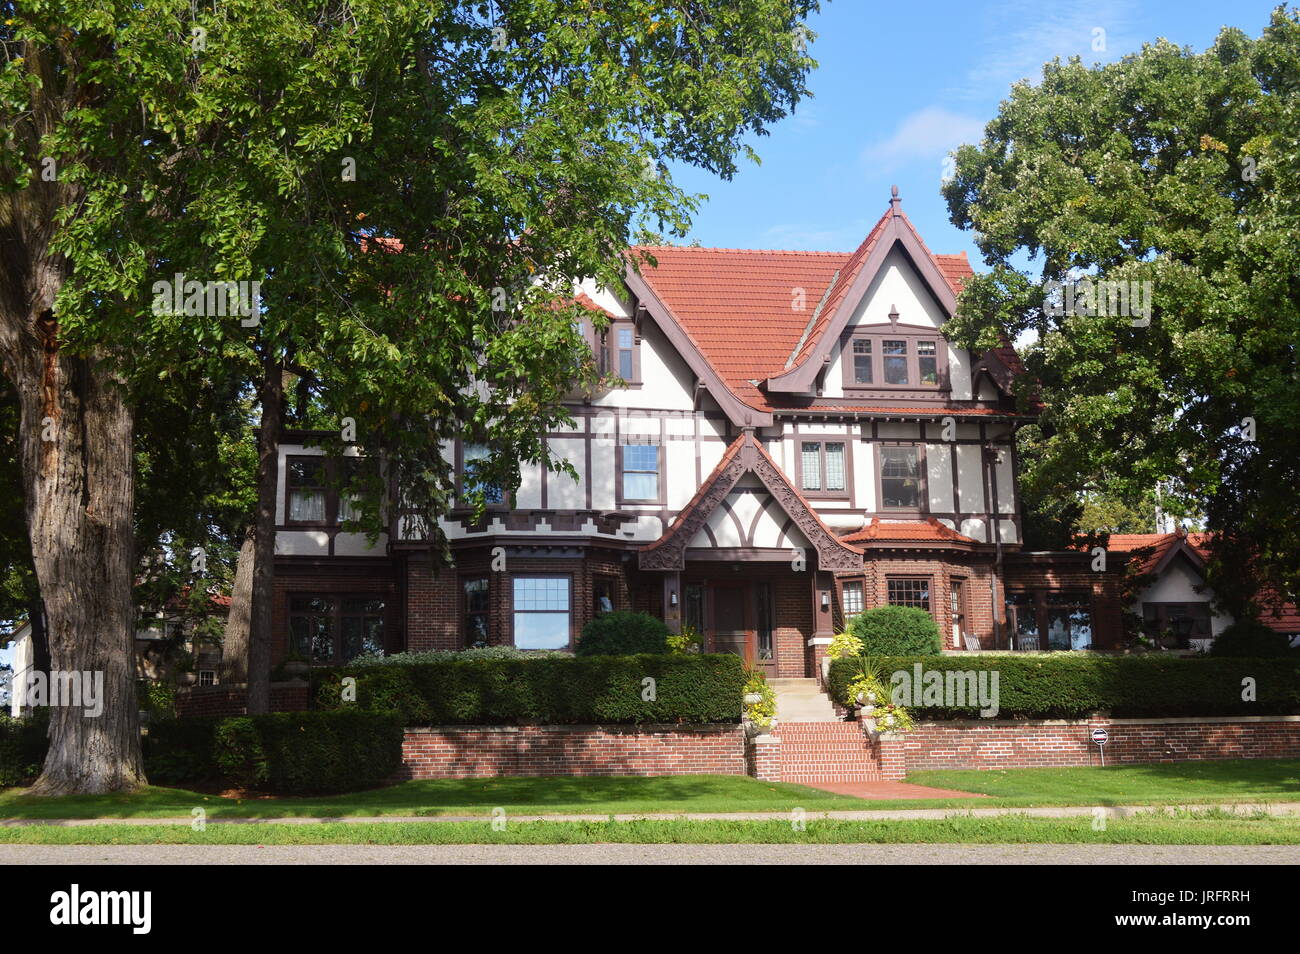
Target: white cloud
[[1022, 35], [929, 134]]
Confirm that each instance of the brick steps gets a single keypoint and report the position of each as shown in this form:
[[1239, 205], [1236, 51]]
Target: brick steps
[[813, 752]]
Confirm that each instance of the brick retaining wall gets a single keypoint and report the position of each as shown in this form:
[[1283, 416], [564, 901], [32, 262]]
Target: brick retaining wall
[[1049, 744], [489, 751]]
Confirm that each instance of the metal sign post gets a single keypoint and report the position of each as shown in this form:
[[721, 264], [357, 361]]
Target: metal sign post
[[1100, 736]]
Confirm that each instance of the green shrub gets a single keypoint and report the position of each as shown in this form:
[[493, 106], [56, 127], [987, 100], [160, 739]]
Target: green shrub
[[623, 633], [23, 744], [557, 690], [1250, 638], [1071, 685], [896, 631], [309, 752], [285, 753], [156, 698], [179, 751]]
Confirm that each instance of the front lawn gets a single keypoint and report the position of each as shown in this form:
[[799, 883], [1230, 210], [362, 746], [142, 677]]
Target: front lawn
[[1205, 828], [528, 796], [1236, 780], [1243, 780]]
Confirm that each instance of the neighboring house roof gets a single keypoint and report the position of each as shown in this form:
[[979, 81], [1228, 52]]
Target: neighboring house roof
[[1152, 552], [906, 532], [733, 308], [746, 455]]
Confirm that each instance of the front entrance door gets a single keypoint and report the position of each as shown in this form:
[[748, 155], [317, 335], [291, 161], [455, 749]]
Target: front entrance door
[[740, 621]]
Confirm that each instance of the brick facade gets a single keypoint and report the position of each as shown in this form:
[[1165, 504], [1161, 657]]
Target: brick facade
[[1053, 744], [535, 750]]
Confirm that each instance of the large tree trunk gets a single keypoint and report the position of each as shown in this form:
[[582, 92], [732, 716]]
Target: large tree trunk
[[234, 644], [79, 483], [271, 395]]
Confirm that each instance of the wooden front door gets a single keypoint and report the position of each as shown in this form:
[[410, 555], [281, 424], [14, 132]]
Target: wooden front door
[[740, 621]]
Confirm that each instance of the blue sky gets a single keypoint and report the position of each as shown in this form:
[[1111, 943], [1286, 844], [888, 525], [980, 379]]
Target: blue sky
[[899, 85]]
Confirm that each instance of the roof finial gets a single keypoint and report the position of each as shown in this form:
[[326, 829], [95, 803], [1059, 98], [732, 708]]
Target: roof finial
[[894, 200]]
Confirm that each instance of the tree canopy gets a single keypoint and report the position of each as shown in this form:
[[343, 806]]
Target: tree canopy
[[1178, 169]]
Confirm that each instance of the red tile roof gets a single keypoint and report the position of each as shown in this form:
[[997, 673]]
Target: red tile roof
[[735, 305], [929, 530], [1149, 549]]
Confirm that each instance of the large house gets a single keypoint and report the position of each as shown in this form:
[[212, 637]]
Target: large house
[[794, 441]]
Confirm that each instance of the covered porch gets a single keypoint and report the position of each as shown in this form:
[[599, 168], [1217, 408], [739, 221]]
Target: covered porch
[[750, 566]]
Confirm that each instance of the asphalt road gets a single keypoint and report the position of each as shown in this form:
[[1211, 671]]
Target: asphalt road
[[648, 854]]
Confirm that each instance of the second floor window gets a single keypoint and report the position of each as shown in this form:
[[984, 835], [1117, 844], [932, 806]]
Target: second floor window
[[900, 478], [641, 482], [475, 456], [619, 355], [307, 490], [823, 468]]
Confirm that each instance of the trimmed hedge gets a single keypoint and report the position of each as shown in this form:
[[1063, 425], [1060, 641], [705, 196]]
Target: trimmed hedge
[[896, 631], [284, 753], [23, 744], [623, 633], [1250, 638], [553, 690], [1069, 686]]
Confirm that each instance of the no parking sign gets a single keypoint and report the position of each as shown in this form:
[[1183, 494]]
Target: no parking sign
[[1100, 736]]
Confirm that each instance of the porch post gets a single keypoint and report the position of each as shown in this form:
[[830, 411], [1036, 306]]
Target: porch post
[[823, 618], [673, 601]]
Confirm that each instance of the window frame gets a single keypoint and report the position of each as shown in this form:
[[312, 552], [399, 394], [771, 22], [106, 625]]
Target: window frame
[[461, 503], [861, 585], [336, 616], [928, 580], [332, 468], [465, 613], [1041, 602], [848, 441], [570, 612], [610, 350], [620, 470], [598, 582], [923, 484], [329, 507], [912, 335]]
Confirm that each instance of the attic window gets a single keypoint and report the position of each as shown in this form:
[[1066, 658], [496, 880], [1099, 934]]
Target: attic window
[[894, 358]]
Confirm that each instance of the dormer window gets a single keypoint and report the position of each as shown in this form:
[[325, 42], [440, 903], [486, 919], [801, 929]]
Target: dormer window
[[893, 358]]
